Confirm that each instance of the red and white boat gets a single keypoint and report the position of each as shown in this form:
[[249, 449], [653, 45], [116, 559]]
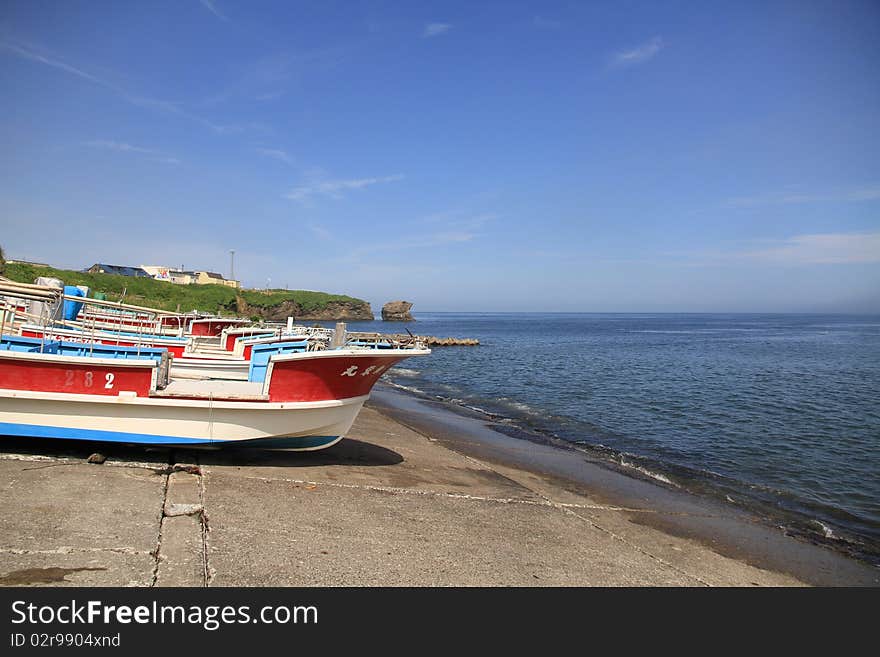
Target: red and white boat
[[306, 400]]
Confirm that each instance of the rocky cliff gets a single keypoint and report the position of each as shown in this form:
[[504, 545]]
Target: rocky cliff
[[347, 311]]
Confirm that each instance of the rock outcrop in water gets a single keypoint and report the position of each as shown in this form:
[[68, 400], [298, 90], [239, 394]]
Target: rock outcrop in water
[[397, 311]]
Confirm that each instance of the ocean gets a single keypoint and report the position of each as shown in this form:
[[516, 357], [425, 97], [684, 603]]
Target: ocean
[[779, 414]]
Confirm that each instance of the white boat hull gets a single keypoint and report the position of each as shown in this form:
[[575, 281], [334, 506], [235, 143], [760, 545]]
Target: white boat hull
[[177, 422]]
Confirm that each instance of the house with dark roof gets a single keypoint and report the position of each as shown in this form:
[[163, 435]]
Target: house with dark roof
[[120, 270], [213, 278]]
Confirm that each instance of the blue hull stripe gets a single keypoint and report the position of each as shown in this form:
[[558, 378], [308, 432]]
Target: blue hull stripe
[[41, 431]]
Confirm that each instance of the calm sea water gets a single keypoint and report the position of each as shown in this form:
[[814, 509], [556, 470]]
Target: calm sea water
[[779, 413]]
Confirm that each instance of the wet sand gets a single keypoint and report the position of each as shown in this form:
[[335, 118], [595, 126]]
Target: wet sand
[[414, 496], [725, 528]]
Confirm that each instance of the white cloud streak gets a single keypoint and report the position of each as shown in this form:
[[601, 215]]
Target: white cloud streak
[[639, 54], [118, 146], [271, 95], [320, 232], [821, 249], [546, 23], [806, 249], [457, 228], [335, 188], [852, 195], [35, 55], [38, 55], [436, 29], [276, 154], [210, 6], [418, 242], [122, 147]]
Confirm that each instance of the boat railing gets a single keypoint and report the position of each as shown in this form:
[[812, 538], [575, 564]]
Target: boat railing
[[372, 340], [160, 357]]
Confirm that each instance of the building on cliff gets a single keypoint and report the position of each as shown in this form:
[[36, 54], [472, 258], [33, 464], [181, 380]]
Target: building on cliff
[[184, 277], [119, 270]]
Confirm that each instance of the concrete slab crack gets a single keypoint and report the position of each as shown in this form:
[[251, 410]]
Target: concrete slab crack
[[182, 543], [157, 551], [206, 529], [544, 501]]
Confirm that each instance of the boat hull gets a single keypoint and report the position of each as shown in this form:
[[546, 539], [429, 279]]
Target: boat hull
[[177, 422]]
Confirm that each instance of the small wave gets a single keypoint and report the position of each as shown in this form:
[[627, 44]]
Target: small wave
[[694, 331], [826, 530], [650, 473], [519, 406], [402, 371], [659, 331], [408, 388]]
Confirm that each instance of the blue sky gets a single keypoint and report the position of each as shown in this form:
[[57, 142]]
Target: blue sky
[[621, 156]]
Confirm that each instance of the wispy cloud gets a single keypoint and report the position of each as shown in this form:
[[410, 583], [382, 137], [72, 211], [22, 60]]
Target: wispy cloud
[[212, 7], [320, 232], [458, 220], [276, 154], [272, 95], [41, 56], [853, 194], [455, 227], [35, 54], [122, 147], [546, 23], [820, 249], [418, 242], [806, 249], [436, 29], [269, 76], [639, 54], [175, 108], [117, 146], [335, 188]]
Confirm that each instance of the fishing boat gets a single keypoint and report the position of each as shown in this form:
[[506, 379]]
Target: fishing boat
[[294, 398]]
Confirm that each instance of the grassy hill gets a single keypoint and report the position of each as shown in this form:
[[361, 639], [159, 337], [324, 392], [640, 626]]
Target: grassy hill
[[170, 296]]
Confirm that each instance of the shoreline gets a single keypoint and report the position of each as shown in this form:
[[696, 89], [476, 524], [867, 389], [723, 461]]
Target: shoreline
[[415, 495], [727, 529], [846, 534]]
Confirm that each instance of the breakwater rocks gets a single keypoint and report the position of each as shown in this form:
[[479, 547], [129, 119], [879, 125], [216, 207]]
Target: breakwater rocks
[[434, 341]]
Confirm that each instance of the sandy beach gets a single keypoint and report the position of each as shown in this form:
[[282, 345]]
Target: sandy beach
[[407, 499]]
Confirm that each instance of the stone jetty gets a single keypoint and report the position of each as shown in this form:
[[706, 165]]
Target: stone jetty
[[434, 341], [428, 340]]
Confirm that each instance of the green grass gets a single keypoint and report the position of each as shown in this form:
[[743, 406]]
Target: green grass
[[170, 296], [309, 301]]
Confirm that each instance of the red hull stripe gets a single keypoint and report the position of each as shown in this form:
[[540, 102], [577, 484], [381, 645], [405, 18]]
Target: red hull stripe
[[317, 379], [85, 378]]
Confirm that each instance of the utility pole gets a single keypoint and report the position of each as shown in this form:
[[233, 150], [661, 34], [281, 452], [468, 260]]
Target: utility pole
[[231, 264]]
